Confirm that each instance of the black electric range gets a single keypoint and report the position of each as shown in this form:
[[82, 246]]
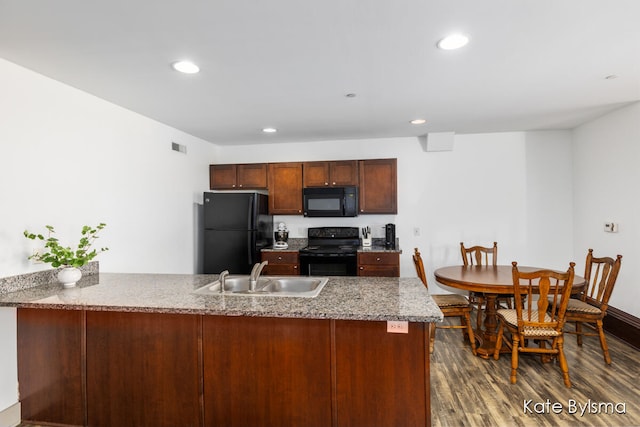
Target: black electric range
[[331, 251]]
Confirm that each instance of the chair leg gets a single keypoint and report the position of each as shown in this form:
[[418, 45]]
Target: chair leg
[[464, 329], [603, 342], [579, 333], [514, 357], [472, 338], [432, 336], [496, 352], [563, 362]]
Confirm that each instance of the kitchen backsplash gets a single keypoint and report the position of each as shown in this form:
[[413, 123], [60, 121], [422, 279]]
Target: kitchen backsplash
[[30, 280]]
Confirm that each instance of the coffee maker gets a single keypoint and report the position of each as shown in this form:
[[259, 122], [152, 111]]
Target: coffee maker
[[281, 236], [390, 236]]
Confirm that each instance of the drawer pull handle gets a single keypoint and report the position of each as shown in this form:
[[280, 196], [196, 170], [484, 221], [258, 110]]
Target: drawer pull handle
[[378, 259], [279, 258]]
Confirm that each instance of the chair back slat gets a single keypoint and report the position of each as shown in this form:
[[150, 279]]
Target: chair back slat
[[479, 255]]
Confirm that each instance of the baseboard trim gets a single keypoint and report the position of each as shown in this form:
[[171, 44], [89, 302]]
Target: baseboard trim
[[11, 416], [623, 325]]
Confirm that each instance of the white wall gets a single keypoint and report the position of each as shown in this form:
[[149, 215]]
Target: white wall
[[491, 187], [606, 156], [70, 159]]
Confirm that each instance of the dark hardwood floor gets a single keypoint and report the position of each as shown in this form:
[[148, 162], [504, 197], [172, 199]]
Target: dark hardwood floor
[[470, 391]]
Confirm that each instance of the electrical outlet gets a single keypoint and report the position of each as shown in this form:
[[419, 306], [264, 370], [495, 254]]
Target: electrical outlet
[[610, 227], [397, 327]]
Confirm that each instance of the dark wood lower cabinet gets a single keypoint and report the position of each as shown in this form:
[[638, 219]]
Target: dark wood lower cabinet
[[92, 368], [50, 366], [382, 379], [266, 372], [143, 369]]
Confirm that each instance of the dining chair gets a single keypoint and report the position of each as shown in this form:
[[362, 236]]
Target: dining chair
[[451, 305], [591, 307], [540, 319], [481, 255]]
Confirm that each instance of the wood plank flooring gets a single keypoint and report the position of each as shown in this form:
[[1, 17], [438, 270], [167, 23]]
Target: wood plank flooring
[[470, 391]]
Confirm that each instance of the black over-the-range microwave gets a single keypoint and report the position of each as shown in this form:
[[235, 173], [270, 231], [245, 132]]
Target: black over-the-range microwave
[[330, 201]]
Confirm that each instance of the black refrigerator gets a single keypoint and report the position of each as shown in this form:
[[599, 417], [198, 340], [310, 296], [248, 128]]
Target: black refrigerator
[[236, 227]]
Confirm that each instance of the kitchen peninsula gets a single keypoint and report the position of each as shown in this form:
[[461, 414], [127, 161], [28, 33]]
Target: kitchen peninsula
[[144, 350]]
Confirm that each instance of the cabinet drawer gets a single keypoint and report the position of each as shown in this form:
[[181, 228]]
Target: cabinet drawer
[[379, 258], [280, 257], [281, 270], [379, 270]]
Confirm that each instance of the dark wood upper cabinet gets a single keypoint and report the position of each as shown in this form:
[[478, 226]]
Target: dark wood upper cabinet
[[378, 186], [330, 173], [376, 179], [238, 176], [285, 188]]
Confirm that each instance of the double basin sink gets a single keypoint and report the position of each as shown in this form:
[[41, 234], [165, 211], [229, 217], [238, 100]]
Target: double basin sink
[[289, 286]]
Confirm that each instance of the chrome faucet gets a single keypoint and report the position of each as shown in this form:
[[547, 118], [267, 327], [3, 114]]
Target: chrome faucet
[[222, 279], [255, 275]]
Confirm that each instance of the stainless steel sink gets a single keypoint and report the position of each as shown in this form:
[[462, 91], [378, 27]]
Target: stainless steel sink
[[290, 286]]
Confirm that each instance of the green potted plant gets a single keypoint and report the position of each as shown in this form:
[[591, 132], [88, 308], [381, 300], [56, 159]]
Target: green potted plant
[[64, 256]]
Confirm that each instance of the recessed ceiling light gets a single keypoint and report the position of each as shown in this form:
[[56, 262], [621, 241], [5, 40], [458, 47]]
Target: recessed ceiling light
[[418, 122], [350, 95], [269, 130], [453, 41], [186, 67]]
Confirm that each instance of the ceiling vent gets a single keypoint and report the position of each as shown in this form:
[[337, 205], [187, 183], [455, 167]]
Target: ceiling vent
[[437, 141]]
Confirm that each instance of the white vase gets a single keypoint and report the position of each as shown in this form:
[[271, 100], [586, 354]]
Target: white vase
[[68, 276]]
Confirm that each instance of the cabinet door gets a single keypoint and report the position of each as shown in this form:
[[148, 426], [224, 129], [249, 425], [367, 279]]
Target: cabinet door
[[285, 188], [222, 177], [261, 371], [382, 379], [50, 361], [378, 186], [143, 369], [316, 174], [252, 176], [343, 173], [330, 174]]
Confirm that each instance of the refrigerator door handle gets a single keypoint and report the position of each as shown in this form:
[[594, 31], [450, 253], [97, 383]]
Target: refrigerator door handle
[[249, 251], [250, 211], [250, 243]]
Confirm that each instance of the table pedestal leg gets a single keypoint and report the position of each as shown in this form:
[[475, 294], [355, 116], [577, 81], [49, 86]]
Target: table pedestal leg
[[489, 334]]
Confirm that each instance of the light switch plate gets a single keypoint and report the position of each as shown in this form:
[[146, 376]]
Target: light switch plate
[[397, 327]]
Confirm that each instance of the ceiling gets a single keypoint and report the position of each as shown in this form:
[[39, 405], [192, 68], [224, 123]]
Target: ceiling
[[289, 64]]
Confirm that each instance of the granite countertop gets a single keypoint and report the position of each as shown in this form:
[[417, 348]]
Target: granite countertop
[[355, 298]]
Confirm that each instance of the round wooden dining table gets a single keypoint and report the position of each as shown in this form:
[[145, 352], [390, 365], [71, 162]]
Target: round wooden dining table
[[490, 281]]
